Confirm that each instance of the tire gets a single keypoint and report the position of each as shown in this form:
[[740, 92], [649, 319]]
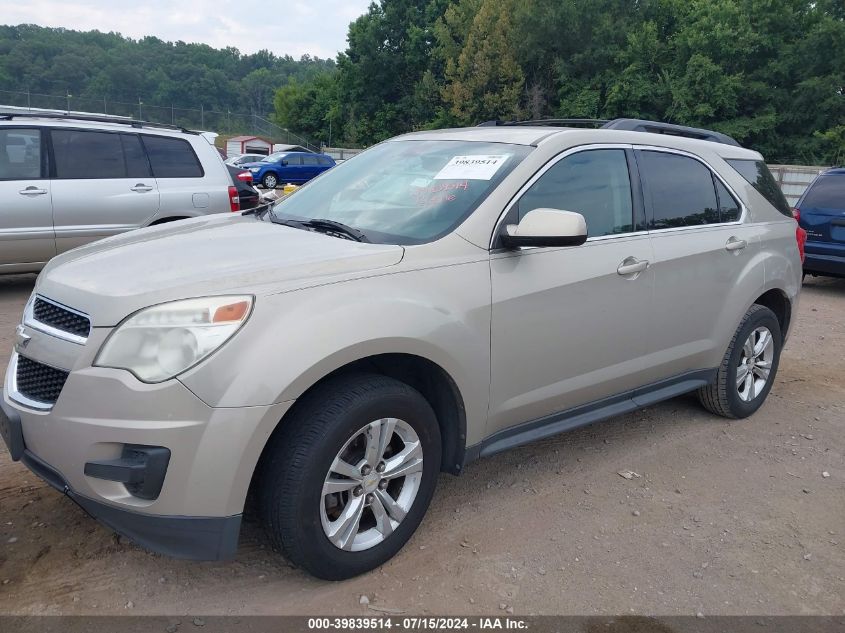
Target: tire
[[727, 396], [270, 181], [328, 424]]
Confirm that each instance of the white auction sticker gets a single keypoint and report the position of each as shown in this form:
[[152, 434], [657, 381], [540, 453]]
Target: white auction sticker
[[479, 167]]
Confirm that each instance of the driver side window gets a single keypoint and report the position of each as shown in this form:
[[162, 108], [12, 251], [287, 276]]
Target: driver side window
[[594, 183]]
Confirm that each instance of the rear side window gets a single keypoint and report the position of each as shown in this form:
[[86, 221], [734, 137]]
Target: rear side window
[[729, 209], [594, 183], [681, 190], [293, 160], [757, 173], [137, 165], [83, 154], [20, 154], [310, 160], [827, 192], [172, 157]]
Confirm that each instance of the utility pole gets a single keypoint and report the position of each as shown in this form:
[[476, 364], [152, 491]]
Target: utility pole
[[202, 117], [28, 102], [140, 103], [68, 100], [105, 109], [172, 117]]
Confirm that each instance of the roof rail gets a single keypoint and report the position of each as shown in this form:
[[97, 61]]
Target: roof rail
[[656, 127], [550, 122], [93, 118]]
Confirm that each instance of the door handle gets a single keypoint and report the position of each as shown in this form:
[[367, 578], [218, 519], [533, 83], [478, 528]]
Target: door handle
[[141, 187], [735, 244], [32, 191], [632, 266]]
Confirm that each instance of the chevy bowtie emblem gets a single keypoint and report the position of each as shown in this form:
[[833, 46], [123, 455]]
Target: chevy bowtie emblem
[[22, 339]]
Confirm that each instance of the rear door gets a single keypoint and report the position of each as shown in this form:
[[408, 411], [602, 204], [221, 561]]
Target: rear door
[[26, 211], [102, 185], [310, 166], [702, 248]]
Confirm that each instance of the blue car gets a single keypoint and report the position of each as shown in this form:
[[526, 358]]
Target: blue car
[[282, 168], [821, 213]]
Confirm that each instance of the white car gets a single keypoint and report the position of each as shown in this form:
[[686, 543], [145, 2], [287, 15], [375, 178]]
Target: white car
[[243, 159]]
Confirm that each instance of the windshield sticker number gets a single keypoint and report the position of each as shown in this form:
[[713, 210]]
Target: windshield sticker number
[[480, 167]]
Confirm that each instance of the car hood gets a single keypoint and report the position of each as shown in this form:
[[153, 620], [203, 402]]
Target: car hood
[[219, 254]]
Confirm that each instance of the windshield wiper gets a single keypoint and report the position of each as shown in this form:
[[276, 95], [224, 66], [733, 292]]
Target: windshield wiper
[[324, 226], [332, 226]]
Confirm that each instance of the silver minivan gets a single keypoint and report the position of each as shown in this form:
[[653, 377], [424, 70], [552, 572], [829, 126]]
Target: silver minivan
[[66, 180]]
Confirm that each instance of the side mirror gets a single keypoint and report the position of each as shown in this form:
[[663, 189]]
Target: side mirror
[[547, 227]]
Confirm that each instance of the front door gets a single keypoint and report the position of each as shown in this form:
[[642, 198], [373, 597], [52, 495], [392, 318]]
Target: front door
[[569, 324], [26, 213], [102, 185]]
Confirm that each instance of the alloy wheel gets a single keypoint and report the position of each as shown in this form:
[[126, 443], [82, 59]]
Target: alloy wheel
[[755, 364], [371, 484]]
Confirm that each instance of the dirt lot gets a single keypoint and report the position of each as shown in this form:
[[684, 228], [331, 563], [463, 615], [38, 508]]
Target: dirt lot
[[726, 518]]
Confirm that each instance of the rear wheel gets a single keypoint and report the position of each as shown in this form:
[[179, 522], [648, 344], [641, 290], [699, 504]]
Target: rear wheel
[[748, 368], [269, 181], [350, 477]]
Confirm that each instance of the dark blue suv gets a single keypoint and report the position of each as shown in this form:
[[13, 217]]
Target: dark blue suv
[[281, 168], [821, 212]]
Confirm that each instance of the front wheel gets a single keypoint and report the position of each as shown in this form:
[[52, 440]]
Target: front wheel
[[748, 368], [350, 477], [269, 181]]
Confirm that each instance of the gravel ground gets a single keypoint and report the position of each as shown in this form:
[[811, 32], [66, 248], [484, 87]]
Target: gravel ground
[[725, 518]]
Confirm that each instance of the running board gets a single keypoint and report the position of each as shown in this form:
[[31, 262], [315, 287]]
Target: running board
[[589, 413]]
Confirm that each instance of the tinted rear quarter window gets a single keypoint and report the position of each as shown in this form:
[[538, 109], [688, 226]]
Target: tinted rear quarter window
[[324, 160], [681, 190], [729, 209], [172, 157], [757, 173], [293, 160], [826, 192], [84, 154], [310, 160]]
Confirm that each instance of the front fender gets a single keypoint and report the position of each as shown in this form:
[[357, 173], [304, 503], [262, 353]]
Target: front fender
[[294, 339]]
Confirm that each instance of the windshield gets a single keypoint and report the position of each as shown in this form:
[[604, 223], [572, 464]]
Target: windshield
[[407, 191], [272, 158]]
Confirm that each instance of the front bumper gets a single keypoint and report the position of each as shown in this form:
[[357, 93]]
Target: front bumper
[[102, 412]]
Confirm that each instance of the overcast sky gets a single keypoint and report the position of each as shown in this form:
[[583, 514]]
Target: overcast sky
[[294, 27]]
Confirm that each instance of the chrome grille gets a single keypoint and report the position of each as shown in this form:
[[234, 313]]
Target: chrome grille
[[38, 381], [60, 318]]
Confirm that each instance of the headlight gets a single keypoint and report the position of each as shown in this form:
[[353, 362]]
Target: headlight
[[161, 342]]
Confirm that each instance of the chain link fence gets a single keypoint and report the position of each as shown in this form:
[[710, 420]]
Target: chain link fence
[[224, 123]]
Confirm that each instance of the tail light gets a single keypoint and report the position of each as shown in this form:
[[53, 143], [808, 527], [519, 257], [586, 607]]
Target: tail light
[[245, 176], [800, 234], [234, 200]]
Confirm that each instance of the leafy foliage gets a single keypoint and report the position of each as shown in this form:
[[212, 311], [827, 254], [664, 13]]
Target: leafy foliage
[[107, 65], [769, 72]]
